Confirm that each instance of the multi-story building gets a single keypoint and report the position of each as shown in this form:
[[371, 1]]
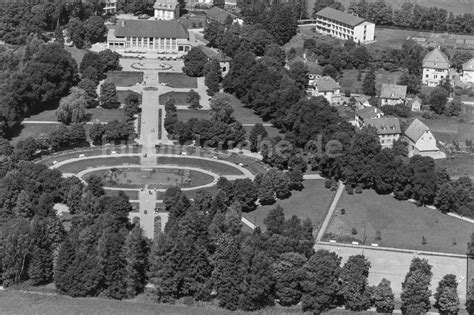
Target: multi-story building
[[388, 130], [110, 6], [166, 10], [468, 71], [344, 26], [435, 68], [149, 36], [421, 141]]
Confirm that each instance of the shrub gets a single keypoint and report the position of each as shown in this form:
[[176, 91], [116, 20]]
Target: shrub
[[350, 189], [343, 211], [354, 231], [347, 93], [358, 189]]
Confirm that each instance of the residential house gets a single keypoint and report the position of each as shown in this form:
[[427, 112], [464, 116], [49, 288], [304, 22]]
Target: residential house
[[166, 10], [388, 130], [224, 61], [467, 75], [365, 114], [415, 104], [324, 86], [435, 68], [149, 36], [393, 94], [110, 6], [221, 16], [421, 141], [344, 26]]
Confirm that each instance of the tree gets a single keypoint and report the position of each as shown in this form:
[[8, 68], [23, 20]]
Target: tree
[[136, 254], [368, 85], [5, 147], [108, 96], [275, 220], [77, 135], [213, 76], [329, 70], [194, 62], [41, 265], [288, 273], [92, 59], [454, 108], [96, 133], [90, 87], [459, 58], [72, 108], [245, 194], [221, 108], [383, 297], [193, 99], [95, 185], [118, 131], [320, 281], [282, 23], [446, 296], [257, 134], [445, 199], [354, 277], [63, 277], [110, 60], [438, 99], [321, 4], [415, 294], [411, 81]]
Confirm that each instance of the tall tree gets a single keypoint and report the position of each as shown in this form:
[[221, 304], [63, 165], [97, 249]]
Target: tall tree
[[368, 85], [257, 134], [354, 277], [383, 297], [72, 108], [194, 62], [136, 255], [41, 265], [416, 294], [108, 96], [221, 108], [288, 274], [446, 295], [213, 76]]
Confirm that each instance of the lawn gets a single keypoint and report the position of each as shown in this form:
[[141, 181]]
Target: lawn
[[215, 167], [32, 130], [122, 95], [101, 114], [124, 78], [185, 115], [181, 98], [349, 80], [177, 80], [447, 129], [458, 166], [76, 167], [401, 224], [312, 202], [76, 53], [132, 194]]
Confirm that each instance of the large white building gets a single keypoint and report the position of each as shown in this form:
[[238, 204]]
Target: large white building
[[468, 71], [344, 26], [435, 68], [149, 36], [110, 6]]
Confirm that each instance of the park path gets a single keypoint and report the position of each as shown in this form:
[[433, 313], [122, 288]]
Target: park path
[[328, 217]]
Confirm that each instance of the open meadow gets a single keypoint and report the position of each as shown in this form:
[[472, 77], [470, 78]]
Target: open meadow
[[399, 224]]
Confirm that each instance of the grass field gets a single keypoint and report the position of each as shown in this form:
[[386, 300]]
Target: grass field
[[180, 98], [101, 114], [122, 95], [447, 129], [124, 78], [177, 80], [215, 167], [32, 130], [132, 194], [455, 6], [185, 115], [312, 202], [77, 166], [458, 166], [401, 223], [76, 53], [92, 151], [349, 80]]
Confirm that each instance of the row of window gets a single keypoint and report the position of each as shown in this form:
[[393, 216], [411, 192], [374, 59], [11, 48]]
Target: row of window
[[151, 43]]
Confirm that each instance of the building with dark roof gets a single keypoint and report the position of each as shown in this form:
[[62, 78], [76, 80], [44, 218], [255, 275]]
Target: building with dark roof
[[435, 68], [221, 16], [388, 130], [149, 36], [211, 53], [364, 114], [468, 71], [345, 26], [393, 94]]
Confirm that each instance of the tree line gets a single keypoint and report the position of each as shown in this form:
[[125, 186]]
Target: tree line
[[411, 16]]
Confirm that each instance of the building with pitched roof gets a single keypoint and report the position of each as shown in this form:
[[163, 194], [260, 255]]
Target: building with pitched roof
[[467, 75], [345, 26], [211, 53], [415, 104], [324, 86], [388, 130], [364, 114], [421, 141], [221, 16], [166, 9], [150, 36], [435, 68], [393, 94]]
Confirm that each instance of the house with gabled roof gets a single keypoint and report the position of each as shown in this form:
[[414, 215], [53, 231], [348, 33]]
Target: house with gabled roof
[[211, 53], [388, 130], [344, 25], [435, 67], [166, 9], [421, 141], [467, 75], [326, 87], [222, 16], [393, 94], [415, 104], [364, 114]]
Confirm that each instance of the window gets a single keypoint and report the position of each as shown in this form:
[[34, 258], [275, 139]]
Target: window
[[427, 75], [435, 76]]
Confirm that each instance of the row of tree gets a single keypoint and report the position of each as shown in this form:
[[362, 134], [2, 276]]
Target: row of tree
[[412, 16]]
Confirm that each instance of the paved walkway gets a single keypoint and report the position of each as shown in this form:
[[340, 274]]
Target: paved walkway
[[146, 213], [328, 217]]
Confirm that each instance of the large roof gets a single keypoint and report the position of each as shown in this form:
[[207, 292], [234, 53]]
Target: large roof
[[214, 54], [468, 65], [165, 4], [436, 59], [393, 91], [342, 17], [385, 125], [150, 28], [219, 14], [369, 112], [416, 130], [326, 83]]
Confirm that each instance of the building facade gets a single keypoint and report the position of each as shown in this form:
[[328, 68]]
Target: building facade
[[435, 68], [166, 10], [468, 71], [344, 26], [110, 7], [324, 86], [393, 94], [388, 130], [421, 141], [149, 36]]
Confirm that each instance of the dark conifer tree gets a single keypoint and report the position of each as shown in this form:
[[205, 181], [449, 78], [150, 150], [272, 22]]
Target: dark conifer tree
[[41, 264], [136, 254]]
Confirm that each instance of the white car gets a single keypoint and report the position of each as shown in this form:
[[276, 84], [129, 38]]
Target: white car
[[55, 162], [113, 152], [82, 155], [184, 153]]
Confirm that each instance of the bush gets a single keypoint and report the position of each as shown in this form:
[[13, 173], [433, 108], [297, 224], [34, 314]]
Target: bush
[[328, 183], [349, 189], [343, 211], [358, 189], [347, 93], [354, 231]]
